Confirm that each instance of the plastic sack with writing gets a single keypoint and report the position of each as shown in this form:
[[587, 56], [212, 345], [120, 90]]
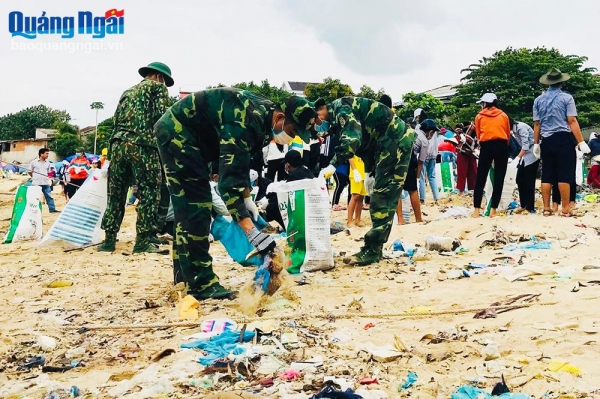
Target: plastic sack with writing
[[26, 220], [307, 224], [79, 222], [510, 184]]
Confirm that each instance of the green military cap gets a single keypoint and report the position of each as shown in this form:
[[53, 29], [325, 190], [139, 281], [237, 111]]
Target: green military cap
[[302, 113], [158, 67]]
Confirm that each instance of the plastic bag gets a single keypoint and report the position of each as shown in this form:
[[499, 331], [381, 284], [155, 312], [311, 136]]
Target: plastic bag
[[234, 239], [369, 184], [307, 210], [510, 184], [26, 220]]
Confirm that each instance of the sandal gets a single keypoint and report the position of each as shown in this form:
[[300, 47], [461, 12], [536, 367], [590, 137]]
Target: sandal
[[547, 212], [571, 214], [337, 208]]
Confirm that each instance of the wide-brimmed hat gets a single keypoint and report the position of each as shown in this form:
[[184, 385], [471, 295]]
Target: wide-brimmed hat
[[302, 113], [158, 67], [452, 140], [554, 76]]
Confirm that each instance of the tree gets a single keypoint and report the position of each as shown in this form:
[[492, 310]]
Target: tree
[[105, 129], [66, 141], [513, 75], [434, 107], [173, 100], [97, 105], [22, 125], [367, 92], [265, 89], [329, 90]]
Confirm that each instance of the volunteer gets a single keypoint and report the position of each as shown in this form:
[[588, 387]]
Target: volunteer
[[228, 126], [370, 130], [526, 164], [78, 170]]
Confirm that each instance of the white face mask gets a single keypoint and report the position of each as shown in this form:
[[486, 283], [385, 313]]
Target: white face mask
[[282, 138]]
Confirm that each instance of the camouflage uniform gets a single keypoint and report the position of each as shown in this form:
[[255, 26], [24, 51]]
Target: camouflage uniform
[[371, 131], [134, 159], [223, 125]]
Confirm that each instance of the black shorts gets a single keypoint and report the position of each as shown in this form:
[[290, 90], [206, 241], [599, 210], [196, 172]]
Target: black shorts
[[558, 158], [410, 183]]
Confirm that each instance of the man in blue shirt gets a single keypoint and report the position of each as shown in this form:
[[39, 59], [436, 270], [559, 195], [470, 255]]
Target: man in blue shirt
[[555, 121]]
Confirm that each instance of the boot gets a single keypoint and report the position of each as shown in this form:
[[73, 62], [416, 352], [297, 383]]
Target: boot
[[109, 243], [144, 245], [366, 256], [154, 239], [215, 291]]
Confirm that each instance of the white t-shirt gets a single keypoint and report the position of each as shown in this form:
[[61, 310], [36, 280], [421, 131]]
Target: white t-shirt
[[40, 171]]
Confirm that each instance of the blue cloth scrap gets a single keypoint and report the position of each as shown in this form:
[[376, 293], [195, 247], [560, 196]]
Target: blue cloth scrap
[[532, 245], [411, 378], [219, 346], [331, 393], [470, 392]]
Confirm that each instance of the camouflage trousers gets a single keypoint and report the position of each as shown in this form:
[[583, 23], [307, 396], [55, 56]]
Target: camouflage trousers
[[187, 175], [132, 164], [391, 160]]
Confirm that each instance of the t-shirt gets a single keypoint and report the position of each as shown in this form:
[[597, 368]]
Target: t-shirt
[[421, 145], [40, 170]]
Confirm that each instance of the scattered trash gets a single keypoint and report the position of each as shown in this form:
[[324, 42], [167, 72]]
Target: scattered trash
[[330, 392], [491, 312], [471, 392], [368, 326], [46, 343], [411, 378], [74, 391], [55, 369], [188, 308], [456, 212], [290, 375], [289, 338], [441, 244], [217, 325], [60, 284], [75, 352], [533, 246], [368, 381], [397, 246], [385, 353], [162, 354], [558, 365], [220, 346], [33, 362]]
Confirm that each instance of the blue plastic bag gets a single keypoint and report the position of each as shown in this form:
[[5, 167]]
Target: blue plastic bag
[[234, 240]]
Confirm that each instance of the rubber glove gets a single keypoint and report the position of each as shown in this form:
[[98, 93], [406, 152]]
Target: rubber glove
[[261, 241], [515, 163], [537, 151], [583, 147], [251, 207], [357, 177], [327, 172], [263, 203]]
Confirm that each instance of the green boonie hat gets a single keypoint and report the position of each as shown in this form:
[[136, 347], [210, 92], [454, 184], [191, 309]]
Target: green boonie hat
[[81, 149], [554, 76], [158, 67], [302, 113]]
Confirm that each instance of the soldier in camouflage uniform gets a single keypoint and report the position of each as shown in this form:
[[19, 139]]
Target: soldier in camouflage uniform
[[370, 130], [135, 158], [226, 126]]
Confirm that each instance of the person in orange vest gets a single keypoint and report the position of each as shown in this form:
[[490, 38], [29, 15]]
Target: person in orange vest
[[78, 171]]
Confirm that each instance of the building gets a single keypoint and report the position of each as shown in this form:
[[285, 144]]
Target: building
[[24, 151], [444, 93], [296, 88], [86, 131]]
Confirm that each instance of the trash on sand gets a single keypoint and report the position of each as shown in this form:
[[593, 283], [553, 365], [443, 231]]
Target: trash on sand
[[60, 284], [471, 392], [559, 365], [288, 338], [411, 378], [382, 354], [269, 365], [456, 212], [188, 308], [491, 312], [162, 354], [290, 374], [331, 392], [441, 244], [217, 325], [533, 245], [307, 364], [368, 326], [46, 343], [74, 391], [368, 381], [33, 362], [220, 346]]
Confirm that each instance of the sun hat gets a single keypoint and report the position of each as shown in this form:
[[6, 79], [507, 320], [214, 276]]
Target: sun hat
[[554, 76]]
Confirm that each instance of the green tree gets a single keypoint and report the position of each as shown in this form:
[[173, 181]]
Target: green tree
[[105, 129], [513, 75], [434, 107], [96, 105], [265, 89], [173, 100], [22, 125], [368, 92], [329, 90], [65, 144]]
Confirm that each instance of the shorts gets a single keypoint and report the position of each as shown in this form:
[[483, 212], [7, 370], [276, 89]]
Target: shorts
[[410, 182], [358, 188], [558, 158]]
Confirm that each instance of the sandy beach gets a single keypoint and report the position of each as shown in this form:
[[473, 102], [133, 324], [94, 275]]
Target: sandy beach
[[344, 316]]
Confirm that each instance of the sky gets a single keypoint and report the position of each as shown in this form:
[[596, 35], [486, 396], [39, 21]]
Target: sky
[[397, 45]]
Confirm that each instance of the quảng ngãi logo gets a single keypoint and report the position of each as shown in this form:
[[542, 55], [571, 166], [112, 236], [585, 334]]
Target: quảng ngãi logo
[[112, 23]]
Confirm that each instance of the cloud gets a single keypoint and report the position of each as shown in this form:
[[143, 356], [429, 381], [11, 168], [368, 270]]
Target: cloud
[[385, 38]]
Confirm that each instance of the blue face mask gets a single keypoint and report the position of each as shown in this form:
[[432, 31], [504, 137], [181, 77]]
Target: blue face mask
[[323, 127]]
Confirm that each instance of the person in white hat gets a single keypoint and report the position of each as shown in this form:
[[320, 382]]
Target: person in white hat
[[493, 132], [555, 124], [526, 165]]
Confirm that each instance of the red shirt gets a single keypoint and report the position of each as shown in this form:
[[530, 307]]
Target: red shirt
[[593, 178]]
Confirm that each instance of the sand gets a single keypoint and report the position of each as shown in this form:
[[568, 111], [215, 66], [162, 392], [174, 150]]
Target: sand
[[335, 314]]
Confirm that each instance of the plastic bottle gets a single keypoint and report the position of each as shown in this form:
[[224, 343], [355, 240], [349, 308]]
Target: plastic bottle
[[406, 206]]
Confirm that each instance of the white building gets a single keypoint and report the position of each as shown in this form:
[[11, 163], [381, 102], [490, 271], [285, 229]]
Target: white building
[[296, 88]]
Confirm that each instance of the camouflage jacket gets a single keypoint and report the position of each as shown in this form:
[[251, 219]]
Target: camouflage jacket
[[232, 125], [140, 107], [360, 121]]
